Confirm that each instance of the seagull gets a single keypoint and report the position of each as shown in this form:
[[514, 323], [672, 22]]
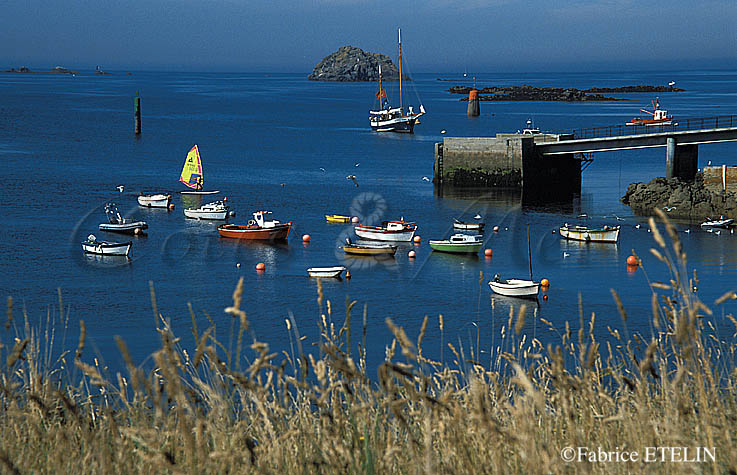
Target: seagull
[[442, 131], [356, 164], [352, 177], [120, 188], [321, 168], [718, 232], [637, 226], [565, 254], [478, 216], [669, 208], [708, 164], [672, 83], [687, 231], [424, 178]]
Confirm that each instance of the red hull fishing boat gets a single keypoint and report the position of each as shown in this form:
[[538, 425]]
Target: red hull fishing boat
[[261, 228], [659, 116]]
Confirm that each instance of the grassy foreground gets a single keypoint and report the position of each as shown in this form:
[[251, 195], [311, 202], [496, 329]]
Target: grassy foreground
[[236, 407]]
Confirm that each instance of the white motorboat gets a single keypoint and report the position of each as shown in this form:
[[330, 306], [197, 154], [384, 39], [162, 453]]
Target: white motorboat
[[105, 248], [326, 272], [514, 287], [587, 234], [468, 226], [158, 200], [396, 231], [217, 210], [717, 223], [118, 224]]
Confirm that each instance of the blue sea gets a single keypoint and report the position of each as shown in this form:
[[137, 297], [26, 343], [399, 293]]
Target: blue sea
[[282, 143]]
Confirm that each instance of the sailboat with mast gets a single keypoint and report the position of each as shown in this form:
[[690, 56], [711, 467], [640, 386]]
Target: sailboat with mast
[[192, 174], [388, 119]]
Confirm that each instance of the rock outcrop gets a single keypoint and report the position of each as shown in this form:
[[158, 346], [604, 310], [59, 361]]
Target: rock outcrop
[[351, 64], [531, 93], [680, 199]]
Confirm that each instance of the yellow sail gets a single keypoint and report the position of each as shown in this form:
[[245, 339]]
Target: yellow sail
[[192, 171]]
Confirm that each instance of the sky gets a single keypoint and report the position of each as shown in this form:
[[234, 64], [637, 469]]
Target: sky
[[437, 35]]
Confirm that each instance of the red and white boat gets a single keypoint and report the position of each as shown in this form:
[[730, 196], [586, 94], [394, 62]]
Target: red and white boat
[[396, 231], [261, 227], [659, 116]]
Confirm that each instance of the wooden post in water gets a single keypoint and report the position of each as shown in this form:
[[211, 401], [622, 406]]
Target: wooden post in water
[[137, 115]]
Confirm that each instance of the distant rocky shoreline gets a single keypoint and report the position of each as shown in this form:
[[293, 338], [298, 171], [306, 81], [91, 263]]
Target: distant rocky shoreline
[[679, 199], [351, 64], [532, 93]]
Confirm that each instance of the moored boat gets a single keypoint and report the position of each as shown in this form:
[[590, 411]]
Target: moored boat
[[514, 287], [585, 233], [370, 249], [217, 210], [326, 272], [468, 226], [395, 231], [717, 223], [262, 227], [459, 244], [659, 116], [105, 248], [337, 218], [118, 224], [158, 200]]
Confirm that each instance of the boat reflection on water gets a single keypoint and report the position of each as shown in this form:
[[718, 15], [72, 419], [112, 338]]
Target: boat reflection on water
[[98, 260], [191, 201], [588, 252]]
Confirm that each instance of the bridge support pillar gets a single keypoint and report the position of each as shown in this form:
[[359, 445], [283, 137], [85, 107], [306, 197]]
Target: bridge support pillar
[[681, 161]]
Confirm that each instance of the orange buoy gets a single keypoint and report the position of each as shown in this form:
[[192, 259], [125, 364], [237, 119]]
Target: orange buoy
[[545, 297], [171, 206], [412, 254], [632, 261], [348, 274], [354, 219], [495, 229], [306, 238], [488, 252], [225, 198], [417, 239], [260, 266], [545, 283]]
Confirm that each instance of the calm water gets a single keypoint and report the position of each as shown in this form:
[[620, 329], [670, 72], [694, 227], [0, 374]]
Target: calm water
[[280, 142]]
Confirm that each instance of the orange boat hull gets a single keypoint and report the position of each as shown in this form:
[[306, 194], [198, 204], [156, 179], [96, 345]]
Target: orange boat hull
[[235, 231]]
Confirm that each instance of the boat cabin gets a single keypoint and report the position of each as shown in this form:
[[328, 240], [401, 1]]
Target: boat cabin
[[465, 238], [396, 225], [264, 219]]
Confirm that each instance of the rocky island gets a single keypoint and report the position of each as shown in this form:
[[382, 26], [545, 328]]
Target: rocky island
[[705, 197], [351, 64], [532, 93]]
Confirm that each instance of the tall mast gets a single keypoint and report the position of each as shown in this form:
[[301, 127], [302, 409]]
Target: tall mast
[[381, 99], [400, 68]]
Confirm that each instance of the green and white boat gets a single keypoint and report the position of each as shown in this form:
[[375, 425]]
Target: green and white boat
[[459, 244]]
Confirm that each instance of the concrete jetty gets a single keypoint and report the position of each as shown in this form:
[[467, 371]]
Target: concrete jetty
[[509, 161]]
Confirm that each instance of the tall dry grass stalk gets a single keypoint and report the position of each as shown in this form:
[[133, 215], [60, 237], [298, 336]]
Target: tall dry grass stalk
[[212, 410]]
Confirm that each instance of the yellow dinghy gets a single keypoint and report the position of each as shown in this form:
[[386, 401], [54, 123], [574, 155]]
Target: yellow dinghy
[[370, 249], [336, 218]]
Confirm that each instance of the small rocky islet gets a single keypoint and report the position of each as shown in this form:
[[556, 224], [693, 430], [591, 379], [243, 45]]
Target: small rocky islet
[[532, 93], [352, 64], [681, 199]]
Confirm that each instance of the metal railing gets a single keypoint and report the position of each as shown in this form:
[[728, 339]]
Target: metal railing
[[679, 125]]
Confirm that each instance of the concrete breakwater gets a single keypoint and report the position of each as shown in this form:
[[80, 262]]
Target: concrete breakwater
[[712, 193]]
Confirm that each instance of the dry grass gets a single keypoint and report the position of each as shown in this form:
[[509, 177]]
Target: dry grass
[[202, 411]]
